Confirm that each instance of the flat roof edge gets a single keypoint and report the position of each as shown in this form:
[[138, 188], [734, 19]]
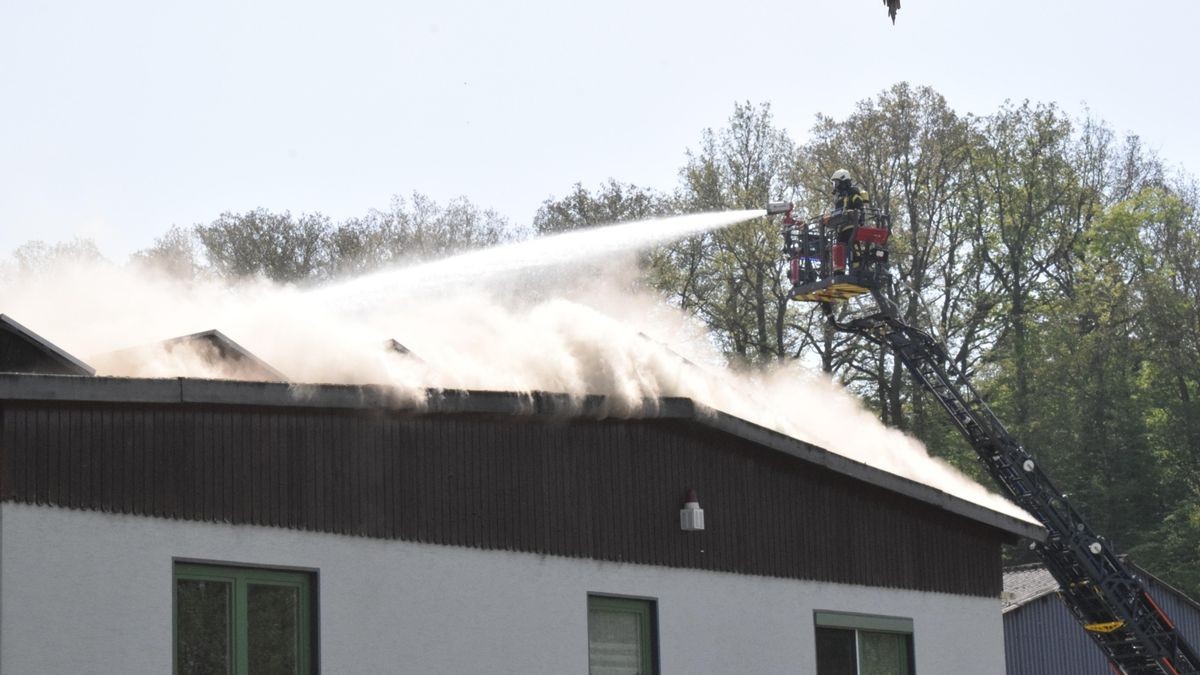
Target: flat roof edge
[[66, 388], [39, 387], [42, 387]]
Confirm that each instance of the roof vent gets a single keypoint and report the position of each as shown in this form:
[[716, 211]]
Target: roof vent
[[208, 354], [24, 351]]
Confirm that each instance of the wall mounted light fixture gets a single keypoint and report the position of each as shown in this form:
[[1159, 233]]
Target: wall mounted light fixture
[[691, 516]]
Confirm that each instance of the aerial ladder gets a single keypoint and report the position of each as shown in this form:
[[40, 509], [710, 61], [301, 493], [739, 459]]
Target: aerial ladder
[[844, 254]]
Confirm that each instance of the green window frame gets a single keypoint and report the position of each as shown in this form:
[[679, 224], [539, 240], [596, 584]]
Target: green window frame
[[251, 618], [602, 609], [863, 644]]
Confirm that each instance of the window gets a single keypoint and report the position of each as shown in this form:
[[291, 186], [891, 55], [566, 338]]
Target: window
[[242, 620], [860, 644], [621, 634]]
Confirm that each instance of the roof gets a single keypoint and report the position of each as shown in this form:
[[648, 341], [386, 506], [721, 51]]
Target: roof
[[663, 346], [24, 351], [231, 351], [220, 354], [1025, 583], [524, 404], [395, 346]]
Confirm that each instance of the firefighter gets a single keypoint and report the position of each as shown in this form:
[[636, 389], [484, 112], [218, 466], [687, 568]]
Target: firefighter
[[846, 195], [848, 202]]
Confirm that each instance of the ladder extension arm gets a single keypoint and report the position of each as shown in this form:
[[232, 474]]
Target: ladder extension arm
[[1110, 602]]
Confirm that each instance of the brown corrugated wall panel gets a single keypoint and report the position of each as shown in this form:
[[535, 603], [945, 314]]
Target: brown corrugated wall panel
[[608, 490]]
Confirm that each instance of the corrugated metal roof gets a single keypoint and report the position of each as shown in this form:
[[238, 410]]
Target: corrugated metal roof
[[1041, 635], [1026, 583]]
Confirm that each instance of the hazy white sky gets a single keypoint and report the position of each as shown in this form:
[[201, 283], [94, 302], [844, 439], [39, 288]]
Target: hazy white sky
[[119, 119]]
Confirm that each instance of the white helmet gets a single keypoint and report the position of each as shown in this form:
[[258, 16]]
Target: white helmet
[[840, 175]]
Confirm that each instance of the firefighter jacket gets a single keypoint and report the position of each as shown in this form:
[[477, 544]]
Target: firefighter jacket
[[852, 198]]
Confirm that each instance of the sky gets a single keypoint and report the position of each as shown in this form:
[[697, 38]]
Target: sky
[[122, 118]]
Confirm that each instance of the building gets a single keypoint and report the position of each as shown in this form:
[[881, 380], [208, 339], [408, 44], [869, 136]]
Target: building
[[1041, 636], [222, 526]]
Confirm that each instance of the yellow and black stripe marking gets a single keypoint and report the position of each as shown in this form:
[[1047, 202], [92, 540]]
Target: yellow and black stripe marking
[[1106, 627], [834, 292]]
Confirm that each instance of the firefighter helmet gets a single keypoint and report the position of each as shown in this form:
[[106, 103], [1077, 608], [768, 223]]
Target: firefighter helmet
[[840, 175]]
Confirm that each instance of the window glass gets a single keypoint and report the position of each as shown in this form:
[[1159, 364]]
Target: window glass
[[863, 644], [241, 621], [882, 653], [614, 643], [620, 636], [203, 626], [836, 652], [273, 625]]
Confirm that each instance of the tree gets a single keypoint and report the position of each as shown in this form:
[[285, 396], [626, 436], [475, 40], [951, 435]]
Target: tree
[[36, 257], [908, 148], [173, 254], [415, 229], [311, 248], [1170, 379], [273, 245], [1091, 413], [1022, 184], [612, 202], [733, 278]]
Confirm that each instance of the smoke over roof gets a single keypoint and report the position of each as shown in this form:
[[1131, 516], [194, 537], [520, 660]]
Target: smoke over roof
[[530, 328]]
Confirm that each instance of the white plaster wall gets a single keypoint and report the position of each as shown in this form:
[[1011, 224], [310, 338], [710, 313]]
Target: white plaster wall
[[84, 592]]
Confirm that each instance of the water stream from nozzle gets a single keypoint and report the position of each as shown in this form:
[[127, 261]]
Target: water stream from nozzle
[[482, 266], [497, 319]]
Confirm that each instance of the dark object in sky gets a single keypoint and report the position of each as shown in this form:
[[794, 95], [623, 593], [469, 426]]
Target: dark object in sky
[[892, 6], [23, 351]]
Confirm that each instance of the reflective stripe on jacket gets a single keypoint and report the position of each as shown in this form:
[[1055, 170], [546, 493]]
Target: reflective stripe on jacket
[[852, 201]]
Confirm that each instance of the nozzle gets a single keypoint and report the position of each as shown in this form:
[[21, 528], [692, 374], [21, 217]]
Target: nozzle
[[776, 208]]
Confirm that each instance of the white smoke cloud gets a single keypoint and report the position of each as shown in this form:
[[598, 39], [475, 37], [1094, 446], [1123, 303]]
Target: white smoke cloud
[[595, 339]]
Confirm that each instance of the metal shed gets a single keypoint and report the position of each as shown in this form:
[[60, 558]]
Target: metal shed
[[1042, 637]]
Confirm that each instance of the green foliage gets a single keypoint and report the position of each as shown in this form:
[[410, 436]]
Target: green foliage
[[1171, 551], [311, 247], [173, 254], [36, 257], [1057, 264], [414, 229], [612, 202], [733, 278], [273, 245]]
